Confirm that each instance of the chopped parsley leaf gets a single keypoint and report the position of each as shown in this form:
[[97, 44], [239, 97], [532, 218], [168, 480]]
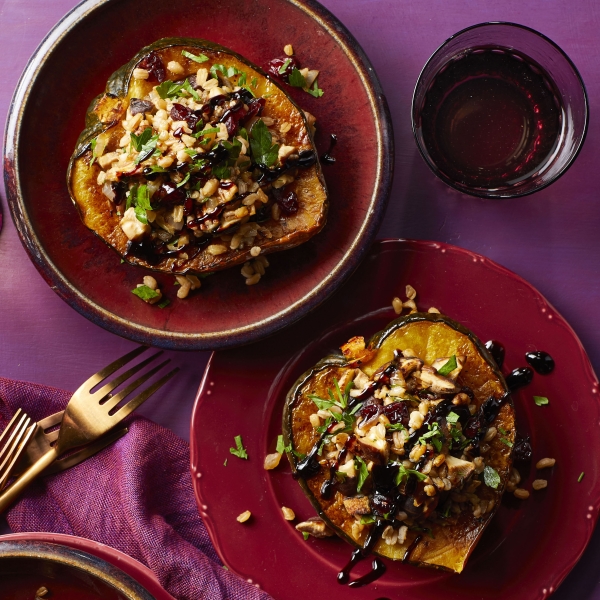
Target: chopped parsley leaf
[[296, 79], [221, 171], [506, 441], [581, 477], [281, 447], [367, 519], [184, 180], [164, 303], [540, 400], [452, 417], [316, 91], [187, 86], [260, 144], [491, 477], [254, 82], [284, 66], [144, 292], [239, 449], [433, 436], [93, 147], [362, 474], [201, 58], [225, 463], [450, 365], [169, 89], [305, 535], [404, 473]]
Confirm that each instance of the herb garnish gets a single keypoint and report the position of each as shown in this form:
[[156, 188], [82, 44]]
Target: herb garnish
[[305, 535], [144, 292], [239, 449], [362, 474], [491, 477], [260, 143], [139, 198], [281, 447], [434, 436], [506, 441], [452, 417], [201, 58], [296, 79], [284, 66], [404, 473], [540, 400], [145, 144], [93, 147], [367, 519], [581, 477], [449, 366], [316, 91], [164, 303]]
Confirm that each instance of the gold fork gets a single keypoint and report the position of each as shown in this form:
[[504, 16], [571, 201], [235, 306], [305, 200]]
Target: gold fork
[[90, 415], [45, 437], [12, 443]]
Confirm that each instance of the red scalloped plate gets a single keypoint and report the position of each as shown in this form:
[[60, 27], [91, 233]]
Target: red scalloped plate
[[136, 570], [529, 547]]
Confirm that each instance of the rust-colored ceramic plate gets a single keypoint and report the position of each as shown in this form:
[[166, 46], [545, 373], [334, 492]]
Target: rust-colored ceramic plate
[[529, 547], [47, 114], [128, 565], [71, 568]]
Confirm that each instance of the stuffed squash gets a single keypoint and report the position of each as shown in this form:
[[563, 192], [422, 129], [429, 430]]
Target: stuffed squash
[[195, 160], [403, 444]]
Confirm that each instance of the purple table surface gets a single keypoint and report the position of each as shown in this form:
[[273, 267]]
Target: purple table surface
[[550, 238]]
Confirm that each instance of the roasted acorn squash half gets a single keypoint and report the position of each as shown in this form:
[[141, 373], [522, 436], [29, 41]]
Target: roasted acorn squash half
[[403, 464], [193, 156]]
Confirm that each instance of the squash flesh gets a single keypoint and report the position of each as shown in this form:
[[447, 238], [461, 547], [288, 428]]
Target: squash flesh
[[452, 542]]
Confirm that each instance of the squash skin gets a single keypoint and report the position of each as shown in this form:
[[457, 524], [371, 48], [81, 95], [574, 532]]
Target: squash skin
[[108, 109], [431, 336]]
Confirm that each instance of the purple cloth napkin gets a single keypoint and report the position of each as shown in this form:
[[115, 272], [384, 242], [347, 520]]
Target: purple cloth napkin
[[135, 495]]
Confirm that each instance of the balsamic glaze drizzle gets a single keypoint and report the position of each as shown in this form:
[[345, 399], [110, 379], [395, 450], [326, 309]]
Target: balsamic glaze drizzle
[[496, 349], [541, 361], [518, 378], [327, 158]]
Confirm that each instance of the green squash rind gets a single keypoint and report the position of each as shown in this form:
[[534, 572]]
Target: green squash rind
[[338, 360]]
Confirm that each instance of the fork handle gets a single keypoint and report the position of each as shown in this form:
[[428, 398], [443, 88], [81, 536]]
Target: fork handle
[[15, 490]]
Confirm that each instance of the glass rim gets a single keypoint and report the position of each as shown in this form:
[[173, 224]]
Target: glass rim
[[508, 195]]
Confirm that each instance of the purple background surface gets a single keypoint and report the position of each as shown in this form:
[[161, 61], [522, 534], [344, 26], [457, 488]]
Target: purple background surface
[[550, 238]]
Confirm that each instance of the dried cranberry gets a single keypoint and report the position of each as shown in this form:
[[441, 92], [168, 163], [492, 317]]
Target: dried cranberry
[[231, 125], [170, 193], [397, 412], [154, 65], [369, 412], [288, 204], [140, 106], [522, 450], [183, 113], [255, 107], [276, 67]]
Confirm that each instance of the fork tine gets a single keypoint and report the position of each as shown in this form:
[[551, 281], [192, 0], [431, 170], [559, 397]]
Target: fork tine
[[15, 433], [100, 376], [112, 402], [8, 428], [106, 389], [17, 449], [124, 411]]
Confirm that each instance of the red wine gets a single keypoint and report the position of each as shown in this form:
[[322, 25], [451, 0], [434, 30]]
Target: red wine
[[491, 118]]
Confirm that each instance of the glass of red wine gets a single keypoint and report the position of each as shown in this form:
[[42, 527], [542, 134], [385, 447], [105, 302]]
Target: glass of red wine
[[499, 111]]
